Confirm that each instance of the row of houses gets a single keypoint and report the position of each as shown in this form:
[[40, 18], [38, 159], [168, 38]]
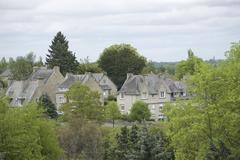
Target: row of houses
[[154, 90]]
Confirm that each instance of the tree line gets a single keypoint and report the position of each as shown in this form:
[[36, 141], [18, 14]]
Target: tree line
[[205, 127], [116, 60]]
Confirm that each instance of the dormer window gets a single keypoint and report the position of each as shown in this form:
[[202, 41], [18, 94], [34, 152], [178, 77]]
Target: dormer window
[[121, 95], [122, 107], [162, 94], [144, 95], [104, 81]]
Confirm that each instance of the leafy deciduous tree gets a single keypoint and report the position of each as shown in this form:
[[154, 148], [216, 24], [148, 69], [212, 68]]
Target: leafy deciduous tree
[[188, 66], [120, 59], [112, 111], [24, 134], [22, 67], [83, 102], [86, 66], [140, 112], [207, 126]]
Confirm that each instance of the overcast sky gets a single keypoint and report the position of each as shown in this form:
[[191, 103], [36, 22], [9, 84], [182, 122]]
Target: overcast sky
[[161, 30]]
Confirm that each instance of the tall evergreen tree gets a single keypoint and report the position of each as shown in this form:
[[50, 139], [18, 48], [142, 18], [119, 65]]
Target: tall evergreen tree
[[50, 108], [145, 144], [61, 56], [134, 148], [122, 144]]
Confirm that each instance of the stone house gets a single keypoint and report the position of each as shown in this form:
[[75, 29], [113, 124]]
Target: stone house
[[41, 81], [6, 75], [95, 81], [154, 90]]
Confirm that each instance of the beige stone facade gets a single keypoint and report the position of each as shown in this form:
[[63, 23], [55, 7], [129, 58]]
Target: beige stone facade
[[42, 81], [154, 90], [95, 81]]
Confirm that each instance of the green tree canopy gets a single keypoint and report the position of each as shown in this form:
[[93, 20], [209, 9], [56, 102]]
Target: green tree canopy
[[138, 143], [86, 66], [151, 67], [140, 111], [120, 59], [189, 66], [112, 112], [83, 102], [207, 127], [81, 139], [22, 67], [24, 134], [59, 55], [3, 65]]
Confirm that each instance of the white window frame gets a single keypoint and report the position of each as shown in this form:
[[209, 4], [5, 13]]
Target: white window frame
[[61, 98], [164, 94], [153, 109], [121, 95], [161, 107], [104, 93], [122, 107], [144, 95]]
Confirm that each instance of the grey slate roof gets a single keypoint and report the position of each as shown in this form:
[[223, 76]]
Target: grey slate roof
[[98, 76], [70, 79], [6, 73], [26, 89], [134, 84], [42, 74], [22, 89]]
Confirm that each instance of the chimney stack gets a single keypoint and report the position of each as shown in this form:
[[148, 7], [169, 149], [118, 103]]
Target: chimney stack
[[35, 68], [129, 75], [56, 69]]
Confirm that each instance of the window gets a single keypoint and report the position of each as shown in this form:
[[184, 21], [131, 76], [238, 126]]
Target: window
[[122, 107], [162, 94], [161, 116], [144, 95], [121, 95], [20, 101], [61, 99], [152, 108], [104, 81], [160, 107]]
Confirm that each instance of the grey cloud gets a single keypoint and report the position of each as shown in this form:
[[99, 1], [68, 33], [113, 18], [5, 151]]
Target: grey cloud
[[160, 29]]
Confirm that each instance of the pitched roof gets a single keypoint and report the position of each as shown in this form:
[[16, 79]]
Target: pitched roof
[[83, 78], [6, 73], [41, 73], [135, 83], [70, 79], [26, 89], [98, 76], [22, 89]]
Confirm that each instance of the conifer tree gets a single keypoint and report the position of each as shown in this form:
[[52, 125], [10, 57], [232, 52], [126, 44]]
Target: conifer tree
[[50, 108], [145, 144], [122, 144], [59, 55], [134, 143], [158, 151]]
